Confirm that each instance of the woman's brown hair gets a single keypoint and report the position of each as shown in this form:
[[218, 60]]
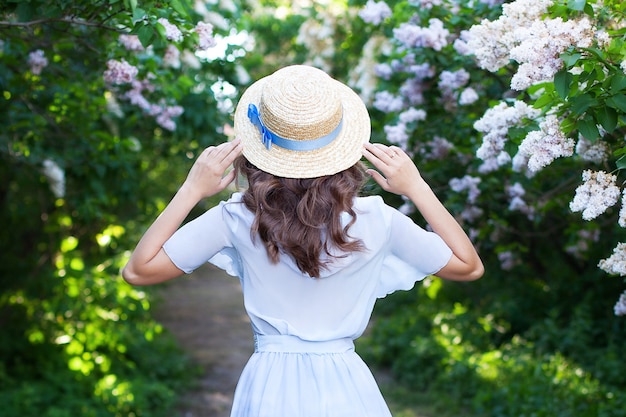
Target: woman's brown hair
[[302, 217]]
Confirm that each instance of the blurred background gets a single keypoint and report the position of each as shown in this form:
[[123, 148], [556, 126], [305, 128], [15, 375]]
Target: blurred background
[[513, 111]]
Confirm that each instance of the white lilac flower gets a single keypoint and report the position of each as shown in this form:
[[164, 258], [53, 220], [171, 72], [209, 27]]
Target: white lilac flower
[[387, 102], [437, 148], [55, 176], [383, 71], [508, 260], [596, 151], [622, 212], [317, 37], [616, 263], [467, 183], [397, 135], [205, 36], [468, 96], [538, 48], [171, 57], [412, 115], [603, 39], [37, 61], [131, 43], [491, 41], [190, 59], [172, 32], [597, 193], [434, 36], [165, 115], [516, 202], [413, 90], [119, 72], [622, 65], [584, 242], [495, 123], [620, 306], [471, 213], [544, 146], [453, 80], [375, 12], [426, 4]]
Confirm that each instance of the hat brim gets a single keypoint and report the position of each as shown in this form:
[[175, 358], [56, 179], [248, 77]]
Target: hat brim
[[342, 153]]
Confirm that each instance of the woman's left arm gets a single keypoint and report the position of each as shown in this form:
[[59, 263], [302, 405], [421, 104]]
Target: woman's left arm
[[149, 264]]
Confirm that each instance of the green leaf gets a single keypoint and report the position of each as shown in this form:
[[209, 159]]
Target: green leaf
[[578, 5], [607, 118], [562, 81], [621, 163], [617, 102], [145, 35], [133, 5], [543, 101], [581, 103], [587, 127], [618, 83], [139, 14], [570, 59], [179, 7]]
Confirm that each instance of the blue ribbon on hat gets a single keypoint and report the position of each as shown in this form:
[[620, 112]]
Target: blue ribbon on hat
[[270, 138]]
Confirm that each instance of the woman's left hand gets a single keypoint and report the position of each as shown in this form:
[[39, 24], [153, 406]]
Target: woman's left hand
[[396, 171]]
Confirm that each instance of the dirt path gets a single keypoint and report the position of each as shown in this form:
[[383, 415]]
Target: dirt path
[[204, 311]]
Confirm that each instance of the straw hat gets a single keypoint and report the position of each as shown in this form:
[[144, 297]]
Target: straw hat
[[312, 124]]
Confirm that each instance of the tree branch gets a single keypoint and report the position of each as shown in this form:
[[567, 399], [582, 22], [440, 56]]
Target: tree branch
[[56, 20]]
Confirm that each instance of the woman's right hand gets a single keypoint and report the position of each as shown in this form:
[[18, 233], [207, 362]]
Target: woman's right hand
[[206, 177]]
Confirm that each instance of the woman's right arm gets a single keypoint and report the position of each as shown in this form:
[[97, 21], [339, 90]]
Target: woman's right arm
[[398, 174], [149, 264]]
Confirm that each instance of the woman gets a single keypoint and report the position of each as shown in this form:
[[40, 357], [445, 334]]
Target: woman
[[311, 255]]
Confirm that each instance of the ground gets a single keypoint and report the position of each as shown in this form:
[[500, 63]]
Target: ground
[[204, 311]]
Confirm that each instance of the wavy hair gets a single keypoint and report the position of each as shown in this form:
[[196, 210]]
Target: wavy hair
[[302, 217]]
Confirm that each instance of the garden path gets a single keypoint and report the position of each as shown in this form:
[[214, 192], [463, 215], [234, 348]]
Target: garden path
[[204, 311]]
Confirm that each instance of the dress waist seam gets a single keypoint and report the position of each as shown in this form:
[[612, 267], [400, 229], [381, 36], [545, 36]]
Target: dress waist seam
[[293, 344]]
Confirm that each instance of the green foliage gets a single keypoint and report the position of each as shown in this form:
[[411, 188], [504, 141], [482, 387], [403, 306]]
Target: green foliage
[[537, 335], [83, 168]]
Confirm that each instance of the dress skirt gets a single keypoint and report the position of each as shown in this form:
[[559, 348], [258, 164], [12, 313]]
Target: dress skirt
[[289, 377]]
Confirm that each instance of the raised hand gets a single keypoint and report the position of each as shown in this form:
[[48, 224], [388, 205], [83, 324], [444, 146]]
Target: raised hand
[[395, 171], [206, 177]]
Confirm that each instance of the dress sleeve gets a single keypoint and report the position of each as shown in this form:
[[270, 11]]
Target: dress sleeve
[[201, 239], [414, 253]]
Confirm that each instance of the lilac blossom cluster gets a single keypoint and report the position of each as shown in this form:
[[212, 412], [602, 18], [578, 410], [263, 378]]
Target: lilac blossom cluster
[[131, 43], [541, 147], [616, 263], [523, 35], [172, 33], [468, 184], [597, 193], [515, 193], [451, 84], [119, 72], [375, 12], [583, 243], [55, 176], [162, 113], [37, 61], [496, 123], [205, 36], [597, 151], [399, 134], [410, 35]]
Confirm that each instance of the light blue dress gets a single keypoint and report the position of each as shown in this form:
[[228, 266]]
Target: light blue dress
[[304, 363]]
